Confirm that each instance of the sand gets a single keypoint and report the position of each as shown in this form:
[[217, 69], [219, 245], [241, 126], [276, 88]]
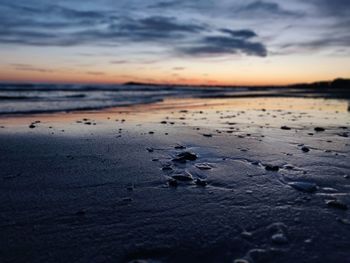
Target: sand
[[219, 180]]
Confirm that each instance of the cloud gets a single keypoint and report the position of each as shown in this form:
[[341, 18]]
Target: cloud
[[95, 73], [27, 67], [266, 8], [245, 34], [334, 8], [234, 42], [54, 25]]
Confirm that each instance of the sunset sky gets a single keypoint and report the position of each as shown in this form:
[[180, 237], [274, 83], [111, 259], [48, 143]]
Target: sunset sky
[[164, 41]]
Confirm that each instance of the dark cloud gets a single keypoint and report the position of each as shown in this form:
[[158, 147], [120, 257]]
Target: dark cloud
[[240, 33], [165, 4], [57, 25], [333, 7], [266, 8], [226, 44]]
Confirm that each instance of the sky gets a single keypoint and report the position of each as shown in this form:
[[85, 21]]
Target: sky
[[226, 42]]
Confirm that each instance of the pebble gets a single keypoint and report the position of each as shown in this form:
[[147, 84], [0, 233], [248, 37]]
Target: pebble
[[304, 186], [246, 235], [259, 255], [319, 129], [241, 260], [185, 177], [167, 167], [337, 204], [272, 168], [203, 166], [279, 239], [32, 126], [201, 182], [185, 156], [149, 149], [172, 182], [344, 221], [305, 149], [207, 135], [180, 147], [285, 128]]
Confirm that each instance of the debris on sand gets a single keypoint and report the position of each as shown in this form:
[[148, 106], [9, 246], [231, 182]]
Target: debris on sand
[[304, 186]]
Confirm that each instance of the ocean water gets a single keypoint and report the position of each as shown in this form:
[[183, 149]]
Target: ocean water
[[40, 98]]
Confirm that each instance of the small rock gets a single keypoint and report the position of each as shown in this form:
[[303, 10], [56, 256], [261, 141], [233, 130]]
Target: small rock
[[203, 166], [172, 182], [32, 126], [305, 149], [259, 255], [180, 147], [337, 204], [167, 167], [149, 149], [201, 182], [279, 239], [185, 156], [207, 135], [241, 260], [285, 128], [272, 168], [127, 199], [304, 186], [185, 177], [344, 221], [319, 129], [246, 235], [344, 134]]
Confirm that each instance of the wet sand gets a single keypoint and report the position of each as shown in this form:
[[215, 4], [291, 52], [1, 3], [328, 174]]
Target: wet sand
[[191, 180]]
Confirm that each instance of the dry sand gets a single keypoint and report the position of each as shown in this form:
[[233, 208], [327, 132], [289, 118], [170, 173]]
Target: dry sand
[[178, 181]]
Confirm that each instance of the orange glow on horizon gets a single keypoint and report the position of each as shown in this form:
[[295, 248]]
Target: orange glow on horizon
[[76, 78]]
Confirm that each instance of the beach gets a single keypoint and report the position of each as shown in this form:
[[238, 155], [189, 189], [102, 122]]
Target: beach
[[180, 180]]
